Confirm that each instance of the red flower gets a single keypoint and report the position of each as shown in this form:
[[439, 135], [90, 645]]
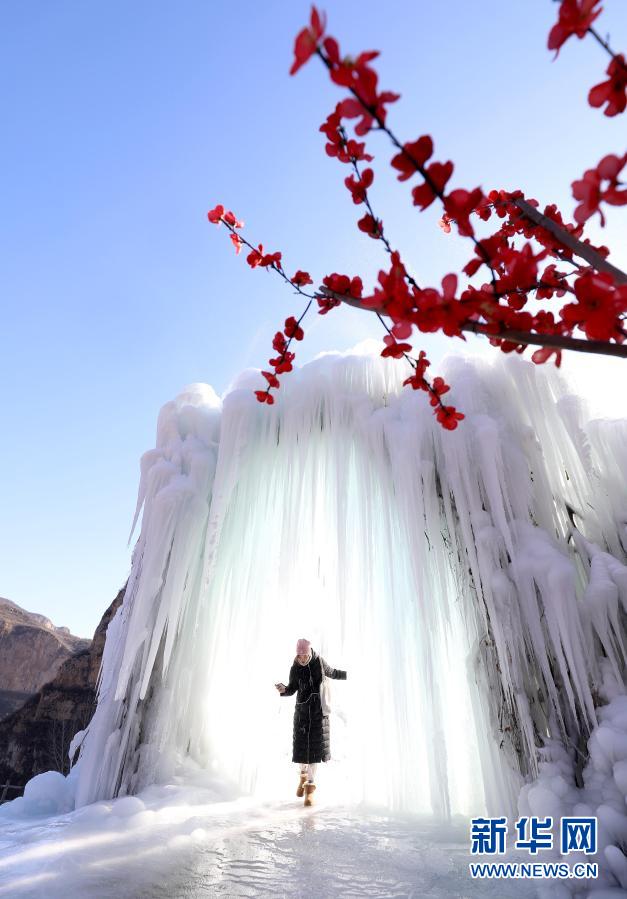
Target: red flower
[[394, 349], [448, 417], [357, 151], [589, 189], [345, 150], [544, 322], [490, 246], [340, 284], [307, 40], [599, 307], [218, 215], [441, 311], [282, 363], [371, 226], [331, 127], [356, 74], [545, 353], [401, 329], [301, 279], [353, 73], [292, 329], [270, 259], [415, 156], [439, 174], [554, 283], [359, 187], [417, 380], [264, 397], [271, 378], [614, 90], [255, 256], [229, 218], [237, 242], [439, 388], [484, 211], [393, 294], [332, 49], [352, 109], [344, 285], [326, 304], [519, 271], [215, 215], [279, 342], [258, 257], [575, 17], [459, 205]]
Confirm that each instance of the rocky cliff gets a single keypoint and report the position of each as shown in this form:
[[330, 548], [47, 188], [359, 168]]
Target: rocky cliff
[[32, 650], [37, 736]]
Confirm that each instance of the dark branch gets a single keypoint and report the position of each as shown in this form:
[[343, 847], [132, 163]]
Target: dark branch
[[583, 250], [559, 341]]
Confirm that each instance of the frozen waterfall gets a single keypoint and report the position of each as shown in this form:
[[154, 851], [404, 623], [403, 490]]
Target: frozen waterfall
[[465, 580]]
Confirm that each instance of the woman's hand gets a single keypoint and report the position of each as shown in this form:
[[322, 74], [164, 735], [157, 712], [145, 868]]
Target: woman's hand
[[280, 687]]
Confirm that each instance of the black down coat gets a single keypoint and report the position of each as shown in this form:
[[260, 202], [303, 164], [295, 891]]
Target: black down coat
[[312, 734]]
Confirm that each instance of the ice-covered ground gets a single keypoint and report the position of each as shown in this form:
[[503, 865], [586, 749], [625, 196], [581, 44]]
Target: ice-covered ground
[[185, 841]]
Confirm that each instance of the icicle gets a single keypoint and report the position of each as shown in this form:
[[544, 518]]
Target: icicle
[[434, 567]]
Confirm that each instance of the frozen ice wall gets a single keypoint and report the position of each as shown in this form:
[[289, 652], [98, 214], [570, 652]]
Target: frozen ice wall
[[452, 575]]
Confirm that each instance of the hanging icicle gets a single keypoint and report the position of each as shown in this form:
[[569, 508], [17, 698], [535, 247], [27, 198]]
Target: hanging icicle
[[440, 569]]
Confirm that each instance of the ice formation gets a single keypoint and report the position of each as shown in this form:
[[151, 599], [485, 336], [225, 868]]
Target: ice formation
[[468, 581], [600, 791]]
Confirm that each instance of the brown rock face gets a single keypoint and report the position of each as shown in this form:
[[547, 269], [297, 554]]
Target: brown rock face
[[32, 649], [37, 736], [10, 700]]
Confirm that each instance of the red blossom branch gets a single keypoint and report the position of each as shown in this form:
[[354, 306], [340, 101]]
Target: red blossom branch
[[411, 157], [554, 341], [596, 292], [327, 299], [459, 205], [583, 250]]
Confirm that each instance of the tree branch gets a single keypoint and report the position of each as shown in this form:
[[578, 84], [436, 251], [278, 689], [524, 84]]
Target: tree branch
[[580, 345], [583, 250]]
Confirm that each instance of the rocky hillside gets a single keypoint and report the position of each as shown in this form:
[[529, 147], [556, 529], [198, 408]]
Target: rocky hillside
[[32, 650], [37, 736], [10, 700]]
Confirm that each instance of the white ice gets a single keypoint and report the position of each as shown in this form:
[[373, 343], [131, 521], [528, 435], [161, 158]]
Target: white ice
[[437, 568], [194, 839]]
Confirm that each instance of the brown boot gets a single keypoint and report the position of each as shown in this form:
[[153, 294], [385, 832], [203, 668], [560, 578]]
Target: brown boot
[[301, 785], [309, 791]]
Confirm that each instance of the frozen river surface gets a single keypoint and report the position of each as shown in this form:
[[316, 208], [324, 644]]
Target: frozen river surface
[[179, 842]]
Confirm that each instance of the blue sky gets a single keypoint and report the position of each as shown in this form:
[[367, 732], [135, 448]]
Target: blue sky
[[123, 124]]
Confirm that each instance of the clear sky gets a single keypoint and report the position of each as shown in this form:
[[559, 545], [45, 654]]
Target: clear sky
[[123, 123]]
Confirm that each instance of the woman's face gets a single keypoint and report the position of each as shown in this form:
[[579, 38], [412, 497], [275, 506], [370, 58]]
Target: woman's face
[[303, 659]]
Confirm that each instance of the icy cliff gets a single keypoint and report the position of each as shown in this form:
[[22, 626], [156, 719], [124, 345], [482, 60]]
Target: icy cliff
[[470, 582]]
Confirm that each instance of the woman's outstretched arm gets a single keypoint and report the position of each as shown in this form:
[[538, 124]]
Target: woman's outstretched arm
[[292, 686], [334, 673]]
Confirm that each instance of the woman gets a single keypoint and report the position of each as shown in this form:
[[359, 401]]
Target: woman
[[312, 737]]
